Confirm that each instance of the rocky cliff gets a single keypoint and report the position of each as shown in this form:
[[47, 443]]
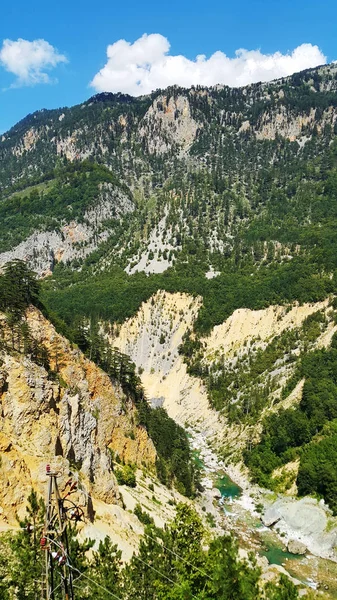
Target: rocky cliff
[[74, 239], [67, 413], [152, 338]]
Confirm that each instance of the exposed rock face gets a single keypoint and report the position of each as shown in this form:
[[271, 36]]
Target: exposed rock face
[[75, 239], [158, 242], [77, 414], [170, 118], [271, 516], [296, 547], [305, 521], [28, 142], [283, 123], [152, 338], [246, 327]]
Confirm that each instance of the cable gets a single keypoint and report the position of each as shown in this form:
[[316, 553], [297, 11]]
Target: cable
[[114, 595], [154, 569], [178, 556], [61, 583], [153, 539], [159, 573], [95, 583]]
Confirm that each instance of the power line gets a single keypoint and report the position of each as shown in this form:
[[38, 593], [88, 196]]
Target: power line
[[159, 573], [95, 583], [154, 539], [178, 556]]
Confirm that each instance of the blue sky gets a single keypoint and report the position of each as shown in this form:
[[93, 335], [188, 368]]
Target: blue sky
[[77, 33]]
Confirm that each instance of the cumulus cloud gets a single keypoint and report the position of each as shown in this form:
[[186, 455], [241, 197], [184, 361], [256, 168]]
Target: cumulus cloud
[[146, 65], [29, 61]]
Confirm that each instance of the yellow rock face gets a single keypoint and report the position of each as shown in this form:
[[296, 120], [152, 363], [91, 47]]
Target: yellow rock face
[[152, 338], [70, 420]]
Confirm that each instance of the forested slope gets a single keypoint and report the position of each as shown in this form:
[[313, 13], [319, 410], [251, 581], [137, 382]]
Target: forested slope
[[227, 194]]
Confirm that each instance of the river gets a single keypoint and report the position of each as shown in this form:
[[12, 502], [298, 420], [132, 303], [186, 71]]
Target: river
[[237, 513]]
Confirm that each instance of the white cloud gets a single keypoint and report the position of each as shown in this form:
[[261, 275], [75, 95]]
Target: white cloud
[[145, 65], [29, 61]]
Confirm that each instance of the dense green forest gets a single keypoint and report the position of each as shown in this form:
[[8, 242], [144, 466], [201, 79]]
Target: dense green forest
[[283, 251], [172, 564], [306, 432], [66, 194]]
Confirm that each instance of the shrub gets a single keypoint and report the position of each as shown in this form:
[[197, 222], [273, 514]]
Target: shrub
[[126, 476]]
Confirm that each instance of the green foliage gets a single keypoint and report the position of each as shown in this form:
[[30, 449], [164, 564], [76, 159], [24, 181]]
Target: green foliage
[[18, 289], [126, 475], [142, 515], [175, 464], [105, 569], [74, 191], [171, 563], [27, 561], [284, 590], [293, 433], [318, 472]]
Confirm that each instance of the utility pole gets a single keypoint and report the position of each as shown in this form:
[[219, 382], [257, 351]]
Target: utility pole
[[59, 511]]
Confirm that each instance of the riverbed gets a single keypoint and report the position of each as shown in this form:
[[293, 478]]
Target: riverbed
[[236, 510]]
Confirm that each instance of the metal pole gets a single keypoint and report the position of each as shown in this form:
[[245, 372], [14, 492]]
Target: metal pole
[[56, 529], [49, 589]]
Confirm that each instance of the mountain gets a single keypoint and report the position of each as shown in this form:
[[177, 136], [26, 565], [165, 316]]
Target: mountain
[[213, 164], [194, 230]]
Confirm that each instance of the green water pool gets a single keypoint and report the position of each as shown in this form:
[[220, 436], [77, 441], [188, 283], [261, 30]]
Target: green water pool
[[227, 487], [277, 556]]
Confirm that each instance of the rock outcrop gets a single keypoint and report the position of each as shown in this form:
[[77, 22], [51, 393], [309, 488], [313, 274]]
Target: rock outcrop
[[69, 414], [306, 523], [271, 517], [152, 338], [170, 117], [75, 239]]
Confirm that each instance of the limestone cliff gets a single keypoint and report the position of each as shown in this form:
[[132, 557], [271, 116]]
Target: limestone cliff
[[68, 413], [152, 339], [75, 239]]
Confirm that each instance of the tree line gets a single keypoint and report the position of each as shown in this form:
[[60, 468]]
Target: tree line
[[173, 563]]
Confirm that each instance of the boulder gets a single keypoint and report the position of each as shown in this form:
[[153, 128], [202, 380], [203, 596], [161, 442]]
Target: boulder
[[216, 493], [271, 516], [296, 547]]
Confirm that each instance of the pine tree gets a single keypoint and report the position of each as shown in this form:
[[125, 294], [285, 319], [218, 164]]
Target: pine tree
[[26, 564], [105, 568]]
